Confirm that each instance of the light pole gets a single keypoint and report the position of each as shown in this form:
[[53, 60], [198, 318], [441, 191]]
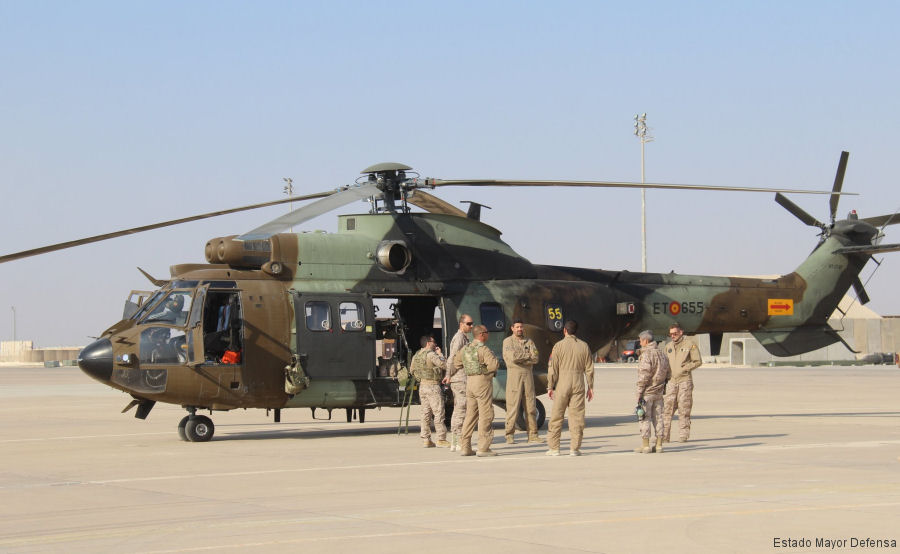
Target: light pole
[[289, 190], [13, 308], [641, 132]]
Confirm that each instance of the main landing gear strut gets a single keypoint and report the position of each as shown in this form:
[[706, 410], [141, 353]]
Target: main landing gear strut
[[195, 428]]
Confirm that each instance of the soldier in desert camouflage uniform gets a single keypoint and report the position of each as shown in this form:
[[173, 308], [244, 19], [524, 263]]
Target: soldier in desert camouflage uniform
[[571, 366], [653, 372], [427, 366], [457, 380], [520, 355], [480, 365], [684, 358]]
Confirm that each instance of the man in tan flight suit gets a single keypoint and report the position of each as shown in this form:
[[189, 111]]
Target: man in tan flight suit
[[653, 373], [570, 366], [457, 380], [427, 366], [480, 365], [684, 358], [520, 355]]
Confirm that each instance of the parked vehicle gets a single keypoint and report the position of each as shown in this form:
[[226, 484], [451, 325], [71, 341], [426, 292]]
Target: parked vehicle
[[631, 351]]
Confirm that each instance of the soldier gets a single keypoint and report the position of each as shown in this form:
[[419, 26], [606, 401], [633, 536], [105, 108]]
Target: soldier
[[480, 365], [570, 366], [653, 373], [427, 366], [457, 380], [684, 358], [520, 355]]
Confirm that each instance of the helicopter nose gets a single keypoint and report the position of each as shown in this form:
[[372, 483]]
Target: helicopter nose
[[97, 360]]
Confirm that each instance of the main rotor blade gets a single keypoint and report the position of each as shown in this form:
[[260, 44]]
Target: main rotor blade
[[612, 184], [433, 204], [838, 183], [882, 220], [332, 201], [867, 249], [134, 230], [798, 211]]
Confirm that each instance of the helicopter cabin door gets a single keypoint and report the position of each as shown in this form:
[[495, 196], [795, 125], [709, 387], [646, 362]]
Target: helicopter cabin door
[[335, 335]]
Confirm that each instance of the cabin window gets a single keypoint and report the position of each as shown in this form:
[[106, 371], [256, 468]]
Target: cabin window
[[352, 316], [318, 316], [555, 319], [492, 317]]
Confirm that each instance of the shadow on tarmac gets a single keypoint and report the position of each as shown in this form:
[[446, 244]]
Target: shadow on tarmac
[[317, 430]]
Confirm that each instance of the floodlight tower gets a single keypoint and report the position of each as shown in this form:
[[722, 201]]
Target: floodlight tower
[[13, 308], [289, 191], [642, 132]]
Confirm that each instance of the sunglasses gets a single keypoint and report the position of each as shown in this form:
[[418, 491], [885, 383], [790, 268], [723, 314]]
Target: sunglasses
[[467, 323]]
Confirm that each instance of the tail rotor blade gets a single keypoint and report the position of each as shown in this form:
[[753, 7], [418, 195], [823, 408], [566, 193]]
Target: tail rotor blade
[[860, 291], [838, 183], [798, 212]]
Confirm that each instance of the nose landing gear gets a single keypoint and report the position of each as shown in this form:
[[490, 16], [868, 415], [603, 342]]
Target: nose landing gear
[[195, 428]]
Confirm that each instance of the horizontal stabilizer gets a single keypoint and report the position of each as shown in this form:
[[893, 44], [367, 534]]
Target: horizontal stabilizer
[[797, 340], [868, 249]]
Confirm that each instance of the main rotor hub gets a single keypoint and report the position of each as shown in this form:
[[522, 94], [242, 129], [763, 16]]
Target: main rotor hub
[[389, 178]]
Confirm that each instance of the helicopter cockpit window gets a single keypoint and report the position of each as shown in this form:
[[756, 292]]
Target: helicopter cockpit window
[[173, 310], [318, 316], [492, 317], [352, 316], [148, 304], [162, 345]]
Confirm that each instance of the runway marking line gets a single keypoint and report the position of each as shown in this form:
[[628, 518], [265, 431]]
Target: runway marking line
[[499, 459], [59, 538], [530, 525]]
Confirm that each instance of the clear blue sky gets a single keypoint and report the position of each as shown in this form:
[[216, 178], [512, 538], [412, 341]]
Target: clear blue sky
[[116, 114]]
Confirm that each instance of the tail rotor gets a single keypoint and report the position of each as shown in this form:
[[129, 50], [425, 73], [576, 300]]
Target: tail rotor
[[805, 217]]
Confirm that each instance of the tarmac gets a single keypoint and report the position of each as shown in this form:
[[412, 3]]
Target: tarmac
[[780, 460]]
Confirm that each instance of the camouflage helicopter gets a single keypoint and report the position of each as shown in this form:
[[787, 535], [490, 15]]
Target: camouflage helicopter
[[279, 320]]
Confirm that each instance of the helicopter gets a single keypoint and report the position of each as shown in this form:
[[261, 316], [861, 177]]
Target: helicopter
[[277, 320]]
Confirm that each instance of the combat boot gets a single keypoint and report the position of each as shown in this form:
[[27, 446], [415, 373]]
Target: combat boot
[[427, 443], [659, 446], [485, 453], [552, 452], [644, 448], [535, 438], [454, 442], [465, 448], [442, 443], [510, 439]]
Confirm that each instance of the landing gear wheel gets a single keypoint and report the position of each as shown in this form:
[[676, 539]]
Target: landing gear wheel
[[541, 415], [199, 429], [181, 426]]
